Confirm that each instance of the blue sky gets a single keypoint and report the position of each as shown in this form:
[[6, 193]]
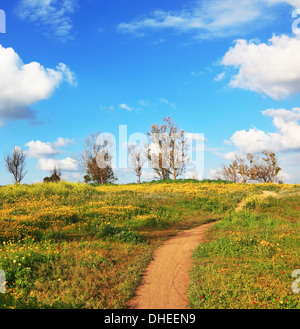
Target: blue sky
[[228, 70]]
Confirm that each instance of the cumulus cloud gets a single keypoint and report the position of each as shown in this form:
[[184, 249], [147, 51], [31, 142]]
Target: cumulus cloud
[[22, 85], [46, 152], [38, 149], [291, 162], [62, 142], [208, 18], [52, 15], [270, 68], [68, 164], [285, 139]]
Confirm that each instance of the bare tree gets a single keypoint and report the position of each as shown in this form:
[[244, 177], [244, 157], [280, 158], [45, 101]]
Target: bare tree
[[136, 161], [251, 168], [96, 159], [167, 152], [243, 167], [15, 164], [267, 169], [229, 173]]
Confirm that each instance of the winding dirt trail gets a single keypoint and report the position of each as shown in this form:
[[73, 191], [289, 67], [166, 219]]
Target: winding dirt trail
[[264, 195], [166, 279]]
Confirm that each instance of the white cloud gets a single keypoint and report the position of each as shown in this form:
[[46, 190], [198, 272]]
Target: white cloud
[[126, 107], [138, 106], [212, 173], [148, 175], [220, 77], [38, 149], [285, 139], [107, 108], [144, 102], [167, 102], [208, 18], [230, 156], [284, 176], [72, 176], [197, 137], [293, 3], [158, 42], [68, 75], [192, 174], [52, 15], [253, 140], [227, 142], [22, 85], [272, 69], [46, 151], [61, 142], [290, 164], [68, 164]]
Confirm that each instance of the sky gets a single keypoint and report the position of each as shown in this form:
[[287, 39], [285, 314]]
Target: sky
[[227, 69]]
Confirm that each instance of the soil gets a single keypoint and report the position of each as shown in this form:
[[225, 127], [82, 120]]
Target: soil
[[165, 281]]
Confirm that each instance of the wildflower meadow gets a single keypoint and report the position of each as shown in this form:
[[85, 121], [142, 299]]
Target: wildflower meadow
[[73, 245]]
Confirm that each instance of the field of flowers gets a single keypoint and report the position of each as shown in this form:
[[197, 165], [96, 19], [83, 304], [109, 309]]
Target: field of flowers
[[65, 245]]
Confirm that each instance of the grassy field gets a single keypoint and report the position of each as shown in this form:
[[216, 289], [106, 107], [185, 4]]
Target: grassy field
[[250, 255], [66, 245]]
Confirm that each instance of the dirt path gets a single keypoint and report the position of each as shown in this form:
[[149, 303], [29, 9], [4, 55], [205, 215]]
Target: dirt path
[[166, 279], [264, 195]]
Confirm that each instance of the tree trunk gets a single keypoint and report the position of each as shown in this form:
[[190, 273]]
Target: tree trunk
[[101, 176], [174, 174], [174, 170]]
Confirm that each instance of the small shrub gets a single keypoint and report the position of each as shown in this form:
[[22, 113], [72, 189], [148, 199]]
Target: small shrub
[[118, 233]]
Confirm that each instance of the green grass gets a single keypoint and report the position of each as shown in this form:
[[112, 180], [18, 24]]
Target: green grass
[[75, 246], [82, 246], [249, 258]]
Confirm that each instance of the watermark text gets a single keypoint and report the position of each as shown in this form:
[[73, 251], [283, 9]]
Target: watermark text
[[295, 28], [2, 21], [2, 282], [161, 150], [296, 283]]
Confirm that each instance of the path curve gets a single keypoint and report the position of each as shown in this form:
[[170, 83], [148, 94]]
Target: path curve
[[165, 281], [264, 195]]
